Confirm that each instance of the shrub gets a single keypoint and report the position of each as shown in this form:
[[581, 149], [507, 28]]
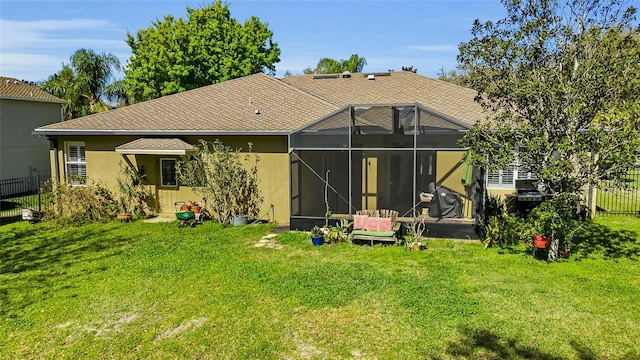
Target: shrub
[[82, 204], [217, 173]]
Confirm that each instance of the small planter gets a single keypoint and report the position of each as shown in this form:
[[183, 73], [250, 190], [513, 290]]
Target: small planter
[[541, 241], [124, 217], [317, 240], [185, 207], [196, 209], [239, 220]]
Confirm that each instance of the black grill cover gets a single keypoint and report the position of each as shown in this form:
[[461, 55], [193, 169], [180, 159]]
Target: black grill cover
[[445, 203]]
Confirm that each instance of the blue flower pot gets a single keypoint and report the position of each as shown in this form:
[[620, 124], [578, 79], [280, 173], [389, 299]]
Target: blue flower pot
[[317, 240]]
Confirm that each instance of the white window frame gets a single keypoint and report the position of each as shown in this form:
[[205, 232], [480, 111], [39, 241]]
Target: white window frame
[[162, 180], [80, 162], [502, 173]]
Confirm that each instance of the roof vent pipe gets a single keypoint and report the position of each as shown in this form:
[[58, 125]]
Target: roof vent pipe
[[371, 77], [346, 75]]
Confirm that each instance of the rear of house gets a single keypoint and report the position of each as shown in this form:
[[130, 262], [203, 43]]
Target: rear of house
[[362, 141]]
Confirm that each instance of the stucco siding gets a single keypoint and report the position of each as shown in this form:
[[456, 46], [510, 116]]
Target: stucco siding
[[103, 166], [23, 154]]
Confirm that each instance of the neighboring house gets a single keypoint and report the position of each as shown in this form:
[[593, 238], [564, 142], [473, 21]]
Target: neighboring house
[[381, 138], [24, 107]]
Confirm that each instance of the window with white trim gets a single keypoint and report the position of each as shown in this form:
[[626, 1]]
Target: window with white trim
[[76, 163], [506, 178], [168, 176]]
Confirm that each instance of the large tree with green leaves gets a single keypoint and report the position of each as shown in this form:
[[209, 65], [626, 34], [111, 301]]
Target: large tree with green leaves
[[353, 64], [561, 80], [87, 83], [210, 46]]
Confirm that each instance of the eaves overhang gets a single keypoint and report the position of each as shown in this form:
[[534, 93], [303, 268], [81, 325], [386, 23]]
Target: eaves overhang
[[78, 132], [61, 102]]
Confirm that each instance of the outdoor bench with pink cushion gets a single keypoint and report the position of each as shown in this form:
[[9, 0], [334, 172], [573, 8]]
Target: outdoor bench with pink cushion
[[375, 225]]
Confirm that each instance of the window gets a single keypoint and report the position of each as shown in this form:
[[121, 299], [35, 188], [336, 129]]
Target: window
[[76, 164], [168, 172], [506, 178], [502, 179]]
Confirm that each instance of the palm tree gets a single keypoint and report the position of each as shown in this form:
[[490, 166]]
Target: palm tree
[[94, 72], [87, 83]]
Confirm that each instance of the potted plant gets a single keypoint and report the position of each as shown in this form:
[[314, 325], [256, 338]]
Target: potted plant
[[195, 207], [415, 235], [317, 235]]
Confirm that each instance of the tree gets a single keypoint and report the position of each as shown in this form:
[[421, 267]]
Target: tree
[[410, 68], [176, 55], [457, 76], [560, 80], [353, 64], [224, 179], [93, 73], [86, 83]]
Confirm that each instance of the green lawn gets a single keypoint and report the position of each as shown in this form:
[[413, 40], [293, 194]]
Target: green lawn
[[154, 291]]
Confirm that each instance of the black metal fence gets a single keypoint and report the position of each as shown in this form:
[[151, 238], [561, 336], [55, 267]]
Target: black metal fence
[[625, 200], [31, 192]]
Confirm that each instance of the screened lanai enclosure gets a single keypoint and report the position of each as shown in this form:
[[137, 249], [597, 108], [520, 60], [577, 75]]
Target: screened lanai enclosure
[[377, 157]]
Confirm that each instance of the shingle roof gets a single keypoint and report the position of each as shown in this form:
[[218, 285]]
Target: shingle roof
[[155, 146], [258, 103], [15, 89], [401, 87], [261, 104]]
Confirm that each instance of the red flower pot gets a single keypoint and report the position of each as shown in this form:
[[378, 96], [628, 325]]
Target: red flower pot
[[540, 241]]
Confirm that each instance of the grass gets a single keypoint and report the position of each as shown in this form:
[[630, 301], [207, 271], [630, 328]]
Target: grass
[[143, 290]]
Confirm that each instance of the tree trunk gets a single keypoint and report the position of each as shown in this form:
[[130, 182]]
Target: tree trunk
[[553, 249]]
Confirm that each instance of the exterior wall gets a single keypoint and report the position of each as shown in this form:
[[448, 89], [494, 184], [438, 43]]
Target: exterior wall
[[23, 154], [103, 166], [449, 170]]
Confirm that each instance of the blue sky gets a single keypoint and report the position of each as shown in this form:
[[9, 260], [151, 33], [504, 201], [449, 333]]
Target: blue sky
[[37, 37]]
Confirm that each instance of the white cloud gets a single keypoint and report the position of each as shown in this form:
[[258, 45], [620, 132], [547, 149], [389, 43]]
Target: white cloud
[[53, 33], [34, 50], [31, 67]]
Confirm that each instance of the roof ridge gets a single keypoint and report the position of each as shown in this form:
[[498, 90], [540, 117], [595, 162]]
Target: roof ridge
[[308, 93]]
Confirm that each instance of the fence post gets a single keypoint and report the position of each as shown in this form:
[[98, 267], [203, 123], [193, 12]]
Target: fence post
[[39, 192]]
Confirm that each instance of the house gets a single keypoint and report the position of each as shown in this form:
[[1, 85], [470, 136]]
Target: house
[[352, 141], [24, 107]]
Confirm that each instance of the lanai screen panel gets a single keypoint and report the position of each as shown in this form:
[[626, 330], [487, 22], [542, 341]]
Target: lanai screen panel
[[330, 132], [317, 176], [375, 157], [377, 127], [436, 131]]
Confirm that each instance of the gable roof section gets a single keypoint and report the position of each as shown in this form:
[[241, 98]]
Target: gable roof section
[[161, 146], [252, 104], [14, 89], [395, 87]]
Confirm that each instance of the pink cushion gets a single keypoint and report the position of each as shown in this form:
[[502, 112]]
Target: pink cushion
[[360, 222], [372, 224], [384, 224]]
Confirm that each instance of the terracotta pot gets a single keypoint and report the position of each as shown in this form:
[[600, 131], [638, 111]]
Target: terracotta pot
[[124, 217], [185, 207], [540, 241], [196, 208]]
